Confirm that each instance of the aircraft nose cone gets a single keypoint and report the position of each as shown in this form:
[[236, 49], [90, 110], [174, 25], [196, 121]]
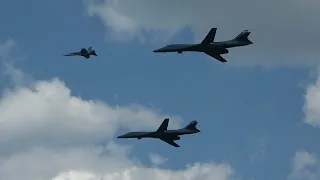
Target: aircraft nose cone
[[158, 50], [120, 136]]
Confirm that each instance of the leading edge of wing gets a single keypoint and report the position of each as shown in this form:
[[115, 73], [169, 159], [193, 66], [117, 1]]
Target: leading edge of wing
[[216, 56], [169, 141]]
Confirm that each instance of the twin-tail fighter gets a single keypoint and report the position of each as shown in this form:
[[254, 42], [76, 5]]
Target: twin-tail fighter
[[84, 52], [168, 136], [208, 46]]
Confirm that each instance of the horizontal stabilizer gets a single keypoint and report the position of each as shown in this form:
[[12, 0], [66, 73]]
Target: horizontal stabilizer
[[210, 36], [163, 126]]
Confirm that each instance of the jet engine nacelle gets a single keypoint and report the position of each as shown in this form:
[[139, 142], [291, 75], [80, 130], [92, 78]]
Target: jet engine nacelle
[[223, 51]]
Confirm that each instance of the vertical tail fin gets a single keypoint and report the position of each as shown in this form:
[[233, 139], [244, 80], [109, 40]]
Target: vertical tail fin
[[192, 125], [163, 126], [89, 49], [243, 36], [93, 52]]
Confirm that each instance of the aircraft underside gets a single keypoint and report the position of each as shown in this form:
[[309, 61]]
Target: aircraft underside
[[216, 53]]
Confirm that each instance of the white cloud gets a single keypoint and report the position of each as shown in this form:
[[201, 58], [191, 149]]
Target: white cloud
[[49, 109], [305, 166], [46, 133], [206, 171], [284, 32], [302, 160], [47, 163], [311, 106], [156, 159]]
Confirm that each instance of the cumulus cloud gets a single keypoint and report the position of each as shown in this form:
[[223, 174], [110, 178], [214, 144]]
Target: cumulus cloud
[[46, 133], [206, 171], [49, 109], [305, 166], [311, 106], [47, 163], [156, 159], [284, 32]]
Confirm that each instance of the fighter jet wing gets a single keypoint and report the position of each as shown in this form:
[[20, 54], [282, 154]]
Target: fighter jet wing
[[170, 141], [73, 54], [216, 56]]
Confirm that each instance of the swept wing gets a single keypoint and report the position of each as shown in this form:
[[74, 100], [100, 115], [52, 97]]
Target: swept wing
[[210, 36], [216, 56], [164, 126], [170, 141]]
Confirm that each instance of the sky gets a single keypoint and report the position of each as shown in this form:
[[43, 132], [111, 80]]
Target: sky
[[259, 113]]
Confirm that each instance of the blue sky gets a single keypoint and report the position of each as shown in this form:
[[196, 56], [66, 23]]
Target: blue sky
[[242, 111]]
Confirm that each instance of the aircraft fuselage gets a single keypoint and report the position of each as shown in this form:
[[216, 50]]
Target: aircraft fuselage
[[168, 133], [218, 47]]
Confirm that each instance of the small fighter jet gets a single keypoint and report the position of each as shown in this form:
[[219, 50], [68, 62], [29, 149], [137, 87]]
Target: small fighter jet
[[84, 52]]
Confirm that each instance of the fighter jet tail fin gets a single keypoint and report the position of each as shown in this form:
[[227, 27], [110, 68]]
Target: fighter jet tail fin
[[93, 52], [243, 36], [163, 126], [210, 36]]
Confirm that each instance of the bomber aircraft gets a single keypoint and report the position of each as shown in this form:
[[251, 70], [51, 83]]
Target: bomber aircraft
[[208, 46], [168, 136], [84, 52]]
